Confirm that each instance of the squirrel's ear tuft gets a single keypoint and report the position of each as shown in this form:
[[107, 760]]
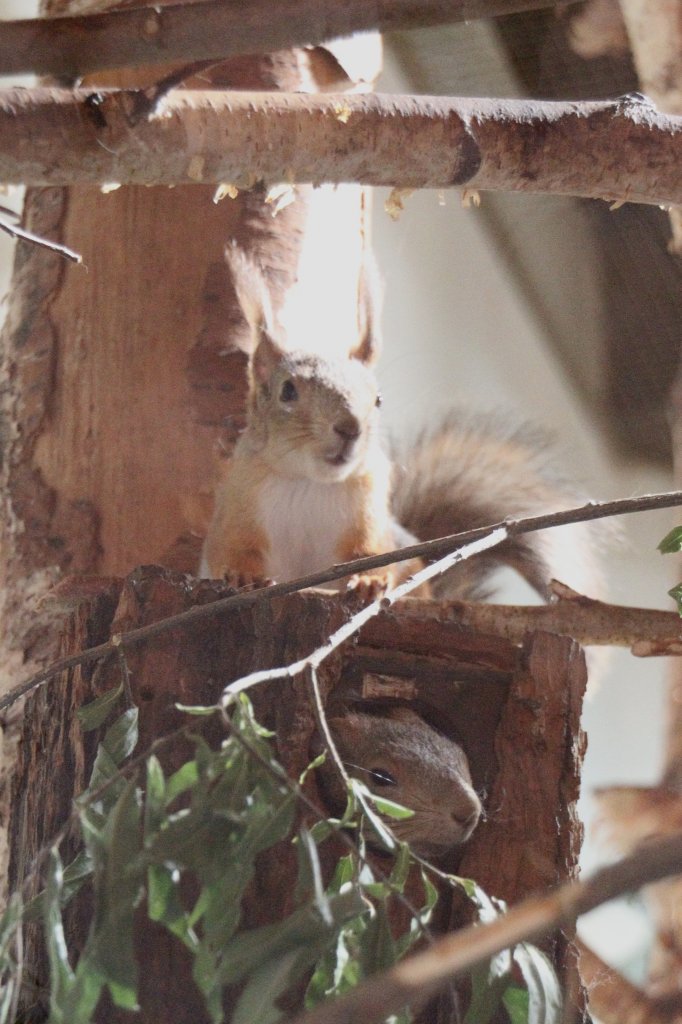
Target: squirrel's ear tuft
[[265, 359], [368, 346], [252, 293]]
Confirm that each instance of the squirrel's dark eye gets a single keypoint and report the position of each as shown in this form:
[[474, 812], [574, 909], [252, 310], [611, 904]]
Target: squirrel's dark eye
[[380, 777], [288, 392], [378, 401]]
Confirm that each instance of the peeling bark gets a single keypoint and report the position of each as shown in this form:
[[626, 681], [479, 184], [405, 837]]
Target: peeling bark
[[124, 388], [623, 150]]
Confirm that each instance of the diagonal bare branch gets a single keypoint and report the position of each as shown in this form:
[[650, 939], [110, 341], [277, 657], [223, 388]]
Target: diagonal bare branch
[[620, 150], [77, 45], [414, 980], [428, 550]]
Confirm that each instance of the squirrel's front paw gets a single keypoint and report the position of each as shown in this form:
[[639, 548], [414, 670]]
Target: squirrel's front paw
[[370, 588], [246, 581]]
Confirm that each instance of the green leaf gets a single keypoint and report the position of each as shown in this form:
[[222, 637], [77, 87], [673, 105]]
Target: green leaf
[[92, 715], [488, 985], [301, 930], [377, 948], [516, 1001], [390, 807], [121, 738], [10, 919], [319, 760], [672, 542], [676, 594], [258, 1000], [73, 878], [164, 904], [181, 780], [365, 800], [155, 798], [197, 709], [61, 974], [544, 992], [344, 873], [119, 877], [310, 874]]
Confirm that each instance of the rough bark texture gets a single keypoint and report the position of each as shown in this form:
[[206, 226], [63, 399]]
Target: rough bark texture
[[514, 711], [77, 45], [123, 380], [622, 150]]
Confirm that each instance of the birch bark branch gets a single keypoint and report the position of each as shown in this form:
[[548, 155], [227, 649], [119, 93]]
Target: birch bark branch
[[620, 150], [184, 32]]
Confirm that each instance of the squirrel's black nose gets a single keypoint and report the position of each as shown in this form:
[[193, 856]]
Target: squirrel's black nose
[[348, 428]]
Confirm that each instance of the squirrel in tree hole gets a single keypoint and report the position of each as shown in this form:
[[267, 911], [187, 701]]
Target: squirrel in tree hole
[[310, 485], [398, 756]]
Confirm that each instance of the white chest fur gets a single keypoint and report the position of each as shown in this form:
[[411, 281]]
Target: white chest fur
[[303, 521]]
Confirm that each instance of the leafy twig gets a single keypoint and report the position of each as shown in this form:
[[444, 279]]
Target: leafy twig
[[415, 980], [429, 549]]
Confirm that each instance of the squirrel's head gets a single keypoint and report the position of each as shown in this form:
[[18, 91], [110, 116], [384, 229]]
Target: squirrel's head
[[311, 417], [401, 758]]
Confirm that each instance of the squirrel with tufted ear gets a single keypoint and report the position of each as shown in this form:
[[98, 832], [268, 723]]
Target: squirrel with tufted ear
[[310, 485]]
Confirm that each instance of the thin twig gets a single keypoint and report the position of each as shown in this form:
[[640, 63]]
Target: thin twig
[[27, 236], [314, 660], [323, 725], [430, 549], [416, 979]]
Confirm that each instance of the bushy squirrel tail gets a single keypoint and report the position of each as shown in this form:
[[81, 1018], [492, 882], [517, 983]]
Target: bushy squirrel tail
[[476, 470]]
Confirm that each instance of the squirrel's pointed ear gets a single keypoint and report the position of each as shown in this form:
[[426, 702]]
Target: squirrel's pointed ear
[[368, 346], [265, 358], [252, 294]]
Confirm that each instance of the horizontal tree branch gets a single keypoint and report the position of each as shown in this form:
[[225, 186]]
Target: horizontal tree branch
[[414, 980], [615, 150], [646, 631], [432, 549], [77, 45]]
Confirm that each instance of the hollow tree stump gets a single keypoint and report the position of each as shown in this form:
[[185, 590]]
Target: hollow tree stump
[[514, 709]]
